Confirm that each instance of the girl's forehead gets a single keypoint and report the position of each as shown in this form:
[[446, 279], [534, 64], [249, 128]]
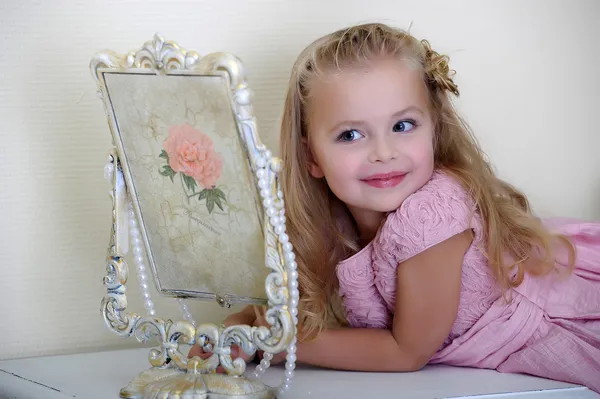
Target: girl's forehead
[[376, 86]]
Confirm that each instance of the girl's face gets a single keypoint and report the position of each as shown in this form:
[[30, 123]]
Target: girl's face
[[371, 134]]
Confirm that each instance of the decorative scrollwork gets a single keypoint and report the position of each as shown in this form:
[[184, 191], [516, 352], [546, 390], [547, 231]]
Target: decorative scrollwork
[[221, 340], [170, 335], [105, 59], [161, 55], [114, 303]]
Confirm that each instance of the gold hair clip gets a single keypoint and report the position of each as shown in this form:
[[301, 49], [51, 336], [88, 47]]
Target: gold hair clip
[[438, 70]]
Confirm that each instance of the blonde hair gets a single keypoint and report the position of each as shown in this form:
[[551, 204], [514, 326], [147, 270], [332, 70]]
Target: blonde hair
[[509, 226]]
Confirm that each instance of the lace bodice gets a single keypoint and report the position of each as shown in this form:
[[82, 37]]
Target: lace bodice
[[436, 212]]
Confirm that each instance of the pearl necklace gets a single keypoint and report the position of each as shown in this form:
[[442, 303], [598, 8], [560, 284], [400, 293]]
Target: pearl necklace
[[274, 209]]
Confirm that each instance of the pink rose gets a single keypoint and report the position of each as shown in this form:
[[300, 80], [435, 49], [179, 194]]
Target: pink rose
[[191, 153], [210, 172], [355, 277]]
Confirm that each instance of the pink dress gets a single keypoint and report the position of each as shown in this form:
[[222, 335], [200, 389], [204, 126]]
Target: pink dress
[[550, 329]]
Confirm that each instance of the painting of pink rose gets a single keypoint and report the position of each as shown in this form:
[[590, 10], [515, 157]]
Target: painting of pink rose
[[191, 154]]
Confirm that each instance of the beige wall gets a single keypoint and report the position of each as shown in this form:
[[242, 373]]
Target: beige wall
[[528, 72]]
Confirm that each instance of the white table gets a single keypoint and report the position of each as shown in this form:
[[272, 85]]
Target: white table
[[101, 375]]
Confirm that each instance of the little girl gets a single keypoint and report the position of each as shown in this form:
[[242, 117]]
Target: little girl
[[392, 205]]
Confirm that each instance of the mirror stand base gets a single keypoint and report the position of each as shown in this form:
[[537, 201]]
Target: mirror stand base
[[171, 383]]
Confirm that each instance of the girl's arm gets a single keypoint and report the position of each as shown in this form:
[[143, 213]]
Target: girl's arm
[[427, 298]]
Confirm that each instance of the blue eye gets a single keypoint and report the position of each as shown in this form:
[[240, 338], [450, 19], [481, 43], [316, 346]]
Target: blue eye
[[349, 135], [404, 126]]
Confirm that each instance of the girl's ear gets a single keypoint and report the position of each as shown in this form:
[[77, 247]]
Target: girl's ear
[[315, 171], [313, 168]]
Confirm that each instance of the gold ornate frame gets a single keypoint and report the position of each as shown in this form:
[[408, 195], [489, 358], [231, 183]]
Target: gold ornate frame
[[172, 375]]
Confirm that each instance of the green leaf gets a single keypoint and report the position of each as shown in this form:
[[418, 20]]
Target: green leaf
[[167, 171], [189, 182], [220, 194], [163, 154], [218, 202], [203, 194], [210, 204]]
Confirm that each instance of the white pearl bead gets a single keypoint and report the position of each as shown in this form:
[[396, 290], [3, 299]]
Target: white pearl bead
[[271, 211], [275, 221], [144, 287], [294, 302], [260, 173], [146, 295], [135, 232], [279, 229], [289, 374], [265, 193], [291, 349], [294, 313], [142, 278], [279, 194], [268, 356], [139, 260], [295, 294], [137, 250], [148, 304], [152, 312], [132, 222], [292, 265], [259, 369], [291, 358], [286, 387], [287, 247], [265, 363], [283, 238], [263, 183], [267, 203], [268, 154], [293, 284], [294, 274], [260, 162], [289, 257]]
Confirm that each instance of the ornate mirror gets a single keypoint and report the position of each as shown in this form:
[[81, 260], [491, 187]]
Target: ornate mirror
[[196, 198]]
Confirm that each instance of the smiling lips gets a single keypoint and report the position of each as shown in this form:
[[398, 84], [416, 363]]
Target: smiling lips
[[385, 180]]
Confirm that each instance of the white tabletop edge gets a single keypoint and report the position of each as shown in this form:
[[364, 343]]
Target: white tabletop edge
[[102, 374]]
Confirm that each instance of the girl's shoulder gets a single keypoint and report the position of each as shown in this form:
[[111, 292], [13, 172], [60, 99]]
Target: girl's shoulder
[[437, 211]]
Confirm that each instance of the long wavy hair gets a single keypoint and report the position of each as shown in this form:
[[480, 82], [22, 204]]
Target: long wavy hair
[[313, 212]]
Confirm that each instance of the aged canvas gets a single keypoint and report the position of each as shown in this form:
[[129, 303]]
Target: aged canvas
[[192, 180]]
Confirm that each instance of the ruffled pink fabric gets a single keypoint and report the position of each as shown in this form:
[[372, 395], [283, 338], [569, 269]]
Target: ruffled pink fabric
[[550, 329], [364, 306]]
